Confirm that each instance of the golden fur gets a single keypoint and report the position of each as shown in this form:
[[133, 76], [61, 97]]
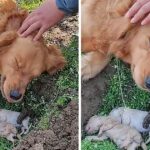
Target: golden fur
[[6, 5], [21, 59], [106, 32]]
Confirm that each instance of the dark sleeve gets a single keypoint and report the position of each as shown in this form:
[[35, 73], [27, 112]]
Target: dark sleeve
[[68, 6]]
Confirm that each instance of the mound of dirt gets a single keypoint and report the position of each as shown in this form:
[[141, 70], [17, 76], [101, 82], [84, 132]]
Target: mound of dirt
[[62, 135]]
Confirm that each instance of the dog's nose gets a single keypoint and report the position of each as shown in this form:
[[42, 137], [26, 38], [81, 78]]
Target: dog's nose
[[15, 95], [147, 82]]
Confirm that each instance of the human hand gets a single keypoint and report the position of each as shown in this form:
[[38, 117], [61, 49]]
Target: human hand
[[140, 11], [41, 19]]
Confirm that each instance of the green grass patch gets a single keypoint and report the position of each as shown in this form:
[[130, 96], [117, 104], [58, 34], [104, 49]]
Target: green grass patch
[[106, 145], [122, 91], [29, 4]]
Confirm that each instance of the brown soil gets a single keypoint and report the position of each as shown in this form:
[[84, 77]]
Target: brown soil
[[62, 135], [61, 36], [92, 93]]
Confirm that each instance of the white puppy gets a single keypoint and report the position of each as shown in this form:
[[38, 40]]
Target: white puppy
[[131, 117], [124, 136], [8, 131], [11, 117]]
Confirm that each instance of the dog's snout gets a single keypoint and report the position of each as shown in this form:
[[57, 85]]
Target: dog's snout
[[15, 95], [147, 82]]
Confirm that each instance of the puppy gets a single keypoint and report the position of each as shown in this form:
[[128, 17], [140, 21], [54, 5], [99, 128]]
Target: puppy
[[129, 116], [123, 136], [106, 32], [11, 117], [8, 131], [22, 59]]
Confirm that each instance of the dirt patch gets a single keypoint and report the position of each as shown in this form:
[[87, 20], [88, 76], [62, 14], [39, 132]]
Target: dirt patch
[[62, 135], [61, 36], [92, 93]]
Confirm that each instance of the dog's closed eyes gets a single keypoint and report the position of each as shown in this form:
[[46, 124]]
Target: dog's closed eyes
[[22, 59]]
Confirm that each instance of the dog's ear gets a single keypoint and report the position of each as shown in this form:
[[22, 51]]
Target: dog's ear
[[15, 19], [121, 49], [54, 60], [146, 121], [119, 8], [6, 38]]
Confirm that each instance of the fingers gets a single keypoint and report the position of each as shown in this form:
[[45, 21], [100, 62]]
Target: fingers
[[27, 23], [39, 34], [32, 28], [138, 11], [141, 13], [133, 10], [146, 20]]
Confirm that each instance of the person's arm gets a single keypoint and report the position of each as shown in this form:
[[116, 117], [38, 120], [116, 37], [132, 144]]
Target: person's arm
[[140, 11], [46, 16], [68, 6]]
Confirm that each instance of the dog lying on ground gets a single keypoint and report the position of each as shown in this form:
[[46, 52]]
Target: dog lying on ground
[[8, 131], [124, 136], [106, 32], [11, 117], [22, 59]]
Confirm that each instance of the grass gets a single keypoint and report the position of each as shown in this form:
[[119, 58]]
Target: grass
[[58, 89], [29, 4], [122, 91]]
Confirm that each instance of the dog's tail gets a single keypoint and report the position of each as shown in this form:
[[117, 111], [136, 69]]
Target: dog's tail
[[143, 146], [24, 114]]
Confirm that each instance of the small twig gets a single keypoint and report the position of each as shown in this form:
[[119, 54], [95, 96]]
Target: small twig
[[120, 86]]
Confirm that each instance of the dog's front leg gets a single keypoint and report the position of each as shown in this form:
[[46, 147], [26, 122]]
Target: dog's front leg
[[93, 63], [133, 146], [148, 140], [96, 138]]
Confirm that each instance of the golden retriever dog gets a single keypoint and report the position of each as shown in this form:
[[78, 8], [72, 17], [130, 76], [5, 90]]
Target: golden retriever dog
[[106, 32], [123, 136], [22, 59]]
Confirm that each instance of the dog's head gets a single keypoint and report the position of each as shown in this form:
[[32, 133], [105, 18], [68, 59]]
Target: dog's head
[[131, 43], [134, 48], [22, 59], [93, 124]]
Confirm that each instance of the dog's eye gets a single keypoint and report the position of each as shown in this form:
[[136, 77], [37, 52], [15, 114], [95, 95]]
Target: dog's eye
[[123, 35]]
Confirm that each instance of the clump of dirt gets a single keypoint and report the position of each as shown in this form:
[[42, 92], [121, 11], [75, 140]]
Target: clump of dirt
[[61, 35], [62, 134], [92, 93]]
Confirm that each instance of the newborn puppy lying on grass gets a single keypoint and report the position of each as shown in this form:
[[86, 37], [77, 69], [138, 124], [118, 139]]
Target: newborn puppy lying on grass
[[129, 116], [11, 117], [8, 131], [124, 136]]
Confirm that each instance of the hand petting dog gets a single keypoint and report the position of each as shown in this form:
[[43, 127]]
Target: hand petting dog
[[140, 11]]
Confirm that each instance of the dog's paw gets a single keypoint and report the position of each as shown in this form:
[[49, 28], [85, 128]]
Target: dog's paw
[[86, 68], [89, 138], [92, 63]]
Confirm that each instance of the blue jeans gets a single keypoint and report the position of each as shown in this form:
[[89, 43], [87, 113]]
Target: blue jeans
[[68, 6]]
